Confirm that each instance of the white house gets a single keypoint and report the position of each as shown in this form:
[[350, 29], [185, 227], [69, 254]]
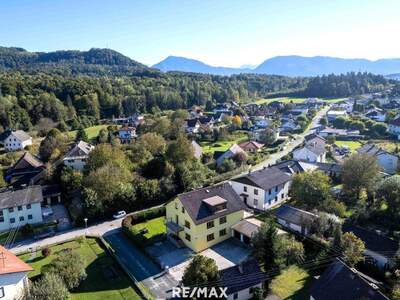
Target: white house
[[394, 127], [17, 140], [295, 219], [386, 160], [127, 134], [13, 276], [20, 207], [263, 189], [77, 156], [333, 114], [313, 150], [376, 114], [242, 280], [193, 126]]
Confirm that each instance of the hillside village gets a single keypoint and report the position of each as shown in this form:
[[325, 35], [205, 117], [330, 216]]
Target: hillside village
[[258, 192]]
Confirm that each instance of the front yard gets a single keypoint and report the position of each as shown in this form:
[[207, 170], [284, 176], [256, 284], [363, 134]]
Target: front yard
[[153, 227], [353, 145], [235, 138], [105, 279], [292, 283], [92, 132]]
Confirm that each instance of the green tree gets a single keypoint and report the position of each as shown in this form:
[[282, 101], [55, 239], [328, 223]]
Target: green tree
[[339, 122], [268, 136], [71, 179], [81, 135], [311, 189], [366, 169], [49, 287], [293, 251], [70, 266], [180, 150], [202, 270], [379, 129], [105, 154], [389, 191], [353, 249], [152, 142]]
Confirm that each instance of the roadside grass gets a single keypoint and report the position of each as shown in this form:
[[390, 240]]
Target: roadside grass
[[353, 145], [292, 283], [235, 138], [105, 279], [154, 226], [92, 132]]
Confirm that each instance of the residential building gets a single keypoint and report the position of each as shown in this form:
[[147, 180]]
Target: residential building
[[134, 120], [197, 150], [16, 140], [312, 151], [127, 134], [241, 280], [377, 246], [13, 276], [339, 281], [294, 218], [205, 123], [328, 131], [24, 170], [263, 189], [251, 146], [289, 125], [331, 115], [204, 217], [193, 126], [230, 153], [292, 167], [20, 207], [261, 122], [376, 114], [76, 158], [394, 127], [386, 160]]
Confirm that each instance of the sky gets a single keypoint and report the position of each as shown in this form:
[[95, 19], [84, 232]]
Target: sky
[[217, 32]]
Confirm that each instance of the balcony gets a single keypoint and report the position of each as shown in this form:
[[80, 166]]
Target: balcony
[[173, 227]]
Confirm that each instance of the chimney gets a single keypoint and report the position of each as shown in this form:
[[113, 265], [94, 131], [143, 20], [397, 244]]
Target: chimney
[[240, 268]]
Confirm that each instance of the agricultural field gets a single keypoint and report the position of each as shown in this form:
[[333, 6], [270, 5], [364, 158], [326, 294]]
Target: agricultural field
[[105, 279]]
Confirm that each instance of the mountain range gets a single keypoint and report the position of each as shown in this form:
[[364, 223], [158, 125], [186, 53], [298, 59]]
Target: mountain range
[[287, 66]]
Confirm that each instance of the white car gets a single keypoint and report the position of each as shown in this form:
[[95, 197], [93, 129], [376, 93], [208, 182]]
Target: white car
[[119, 214]]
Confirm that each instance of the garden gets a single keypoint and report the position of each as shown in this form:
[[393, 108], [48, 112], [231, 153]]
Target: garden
[[104, 278]]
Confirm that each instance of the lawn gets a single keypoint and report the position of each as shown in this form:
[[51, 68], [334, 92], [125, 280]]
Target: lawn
[[92, 132], [236, 138], [105, 279], [353, 145], [154, 226], [282, 99], [292, 283]]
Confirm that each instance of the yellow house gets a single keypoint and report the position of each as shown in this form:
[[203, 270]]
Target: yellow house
[[204, 217]]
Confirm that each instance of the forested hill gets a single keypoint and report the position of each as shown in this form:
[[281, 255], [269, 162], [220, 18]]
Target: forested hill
[[95, 62]]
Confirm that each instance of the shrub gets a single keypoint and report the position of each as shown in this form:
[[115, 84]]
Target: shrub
[[49, 287], [46, 251], [27, 230]]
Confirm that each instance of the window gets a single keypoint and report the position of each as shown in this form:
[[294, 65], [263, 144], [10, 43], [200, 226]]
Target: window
[[269, 192], [255, 202], [183, 210], [11, 209], [12, 220], [30, 217], [176, 205], [255, 192], [222, 220], [2, 295], [283, 195], [235, 296], [245, 189], [21, 218], [187, 237], [187, 224], [222, 232], [276, 189], [210, 237], [19, 207], [28, 206], [210, 224]]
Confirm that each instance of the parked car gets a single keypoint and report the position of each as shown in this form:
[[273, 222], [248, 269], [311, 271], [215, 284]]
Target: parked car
[[119, 214]]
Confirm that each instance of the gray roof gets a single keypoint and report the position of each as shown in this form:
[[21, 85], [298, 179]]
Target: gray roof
[[19, 134], [265, 179], [340, 282], [373, 150], [295, 166], [316, 145], [81, 149], [197, 150], [13, 198], [200, 212], [294, 215]]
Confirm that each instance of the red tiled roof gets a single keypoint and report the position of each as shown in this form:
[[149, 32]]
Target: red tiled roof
[[9, 263]]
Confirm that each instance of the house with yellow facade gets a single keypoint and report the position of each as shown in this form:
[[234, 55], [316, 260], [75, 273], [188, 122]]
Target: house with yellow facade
[[201, 218]]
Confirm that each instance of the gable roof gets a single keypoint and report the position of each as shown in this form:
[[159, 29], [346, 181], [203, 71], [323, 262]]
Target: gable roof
[[82, 149], [9, 263], [373, 150], [373, 241], [395, 122], [313, 136], [191, 123], [13, 198], [27, 160], [199, 212], [265, 179], [294, 215], [250, 145], [340, 282], [242, 276], [20, 135]]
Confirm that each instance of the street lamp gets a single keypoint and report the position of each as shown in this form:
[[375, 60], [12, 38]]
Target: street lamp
[[85, 219]]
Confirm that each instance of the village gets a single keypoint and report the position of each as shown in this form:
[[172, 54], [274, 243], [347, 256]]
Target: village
[[300, 189]]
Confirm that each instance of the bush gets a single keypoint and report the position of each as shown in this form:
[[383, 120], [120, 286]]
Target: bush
[[27, 230], [46, 251], [142, 216], [49, 287]]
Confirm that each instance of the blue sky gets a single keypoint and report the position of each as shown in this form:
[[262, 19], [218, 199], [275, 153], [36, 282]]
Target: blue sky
[[218, 32]]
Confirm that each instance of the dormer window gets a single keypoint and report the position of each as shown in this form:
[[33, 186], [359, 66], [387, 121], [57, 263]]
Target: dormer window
[[215, 203]]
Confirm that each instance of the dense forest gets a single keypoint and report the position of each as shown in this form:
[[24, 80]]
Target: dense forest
[[81, 87]]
